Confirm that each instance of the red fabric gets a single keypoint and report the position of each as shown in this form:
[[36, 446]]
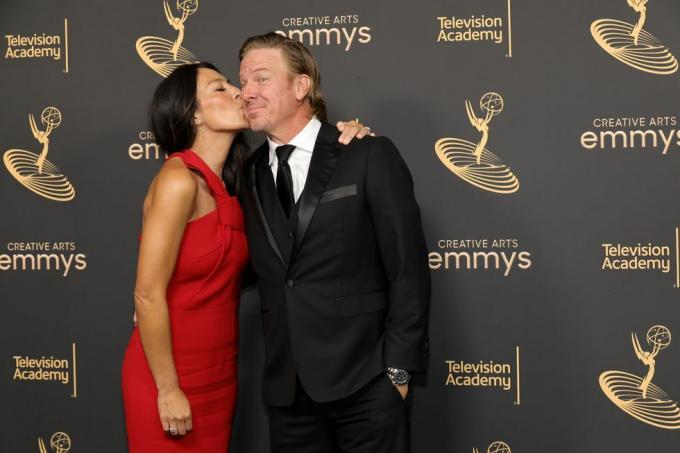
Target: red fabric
[[202, 296]]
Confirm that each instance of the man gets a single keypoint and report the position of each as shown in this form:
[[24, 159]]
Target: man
[[336, 240]]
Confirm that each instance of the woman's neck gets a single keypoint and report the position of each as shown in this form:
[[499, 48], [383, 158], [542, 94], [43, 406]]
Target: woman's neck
[[214, 149]]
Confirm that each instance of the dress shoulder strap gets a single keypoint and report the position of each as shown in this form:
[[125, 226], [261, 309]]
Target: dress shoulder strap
[[229, 210], [194, 162]]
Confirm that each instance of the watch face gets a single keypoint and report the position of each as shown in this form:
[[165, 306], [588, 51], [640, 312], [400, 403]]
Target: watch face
[[399, 377]]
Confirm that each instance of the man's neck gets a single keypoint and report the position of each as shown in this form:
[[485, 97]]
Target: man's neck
[[286, 131]]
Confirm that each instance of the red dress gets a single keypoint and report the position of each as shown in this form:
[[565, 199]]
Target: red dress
[[202, 296]]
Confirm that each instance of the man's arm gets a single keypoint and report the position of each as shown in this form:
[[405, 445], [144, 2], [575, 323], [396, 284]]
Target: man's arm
[[399, 232]]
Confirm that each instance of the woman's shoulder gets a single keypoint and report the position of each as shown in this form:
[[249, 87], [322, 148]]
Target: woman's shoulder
[[174, 180]]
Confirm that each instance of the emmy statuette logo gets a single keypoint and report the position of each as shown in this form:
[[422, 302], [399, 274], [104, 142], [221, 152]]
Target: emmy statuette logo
[[163, 55], [35, 172], [496, 447], [637, 396], [632, 45], [473, 162], [60, 443]]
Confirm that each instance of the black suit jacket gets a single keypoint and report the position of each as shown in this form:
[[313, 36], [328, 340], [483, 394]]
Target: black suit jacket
[[349, 294]]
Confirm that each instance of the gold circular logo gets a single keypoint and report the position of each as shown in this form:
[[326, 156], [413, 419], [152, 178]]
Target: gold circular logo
[[472, 162], [51, 183], [163, 55], [645, 53], [490, 173], [491, 103], [659, 336], [34, 171], [498, 447], [187, 6], [51, 116], [624, 390], [61, 442], [637, 396], [158, 55]]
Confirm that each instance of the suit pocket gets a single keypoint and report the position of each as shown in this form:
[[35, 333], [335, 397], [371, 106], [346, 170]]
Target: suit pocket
[[361, 304], [340, 192]]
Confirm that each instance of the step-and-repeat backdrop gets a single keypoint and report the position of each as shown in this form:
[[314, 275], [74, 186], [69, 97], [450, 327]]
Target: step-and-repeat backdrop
[[544, 141]]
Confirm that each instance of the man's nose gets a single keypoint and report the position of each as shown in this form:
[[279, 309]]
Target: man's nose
[[248, 92]]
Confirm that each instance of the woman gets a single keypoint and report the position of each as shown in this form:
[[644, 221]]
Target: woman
[[179, 371]]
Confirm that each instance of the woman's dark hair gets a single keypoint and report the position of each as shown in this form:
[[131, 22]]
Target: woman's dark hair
[[171, 118]]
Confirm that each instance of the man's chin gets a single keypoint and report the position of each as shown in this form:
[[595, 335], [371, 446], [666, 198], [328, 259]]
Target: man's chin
[[256, 126]]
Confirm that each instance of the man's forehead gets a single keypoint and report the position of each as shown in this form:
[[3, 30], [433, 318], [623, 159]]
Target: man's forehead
[[258, 59]]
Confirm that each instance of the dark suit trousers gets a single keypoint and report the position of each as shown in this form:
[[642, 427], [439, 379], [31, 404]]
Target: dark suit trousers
[[374, 419]]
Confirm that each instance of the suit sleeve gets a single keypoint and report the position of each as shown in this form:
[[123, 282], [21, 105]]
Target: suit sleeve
[[249, 279], [399, 231]]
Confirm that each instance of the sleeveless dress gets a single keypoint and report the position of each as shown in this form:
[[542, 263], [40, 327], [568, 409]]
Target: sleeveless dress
[[202, 296]]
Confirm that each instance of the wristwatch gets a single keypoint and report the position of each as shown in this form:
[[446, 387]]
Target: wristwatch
[[397, 375]]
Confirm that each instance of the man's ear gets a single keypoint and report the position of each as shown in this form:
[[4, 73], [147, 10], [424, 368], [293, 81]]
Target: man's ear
[[302, 84]]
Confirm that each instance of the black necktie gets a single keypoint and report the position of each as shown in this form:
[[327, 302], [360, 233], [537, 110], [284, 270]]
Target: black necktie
[[284, 178]]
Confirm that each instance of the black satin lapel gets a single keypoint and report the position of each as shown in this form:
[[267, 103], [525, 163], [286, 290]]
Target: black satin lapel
[[321, 168], [255, 201]]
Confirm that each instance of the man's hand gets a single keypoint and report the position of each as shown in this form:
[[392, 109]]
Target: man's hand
[[402, 389]]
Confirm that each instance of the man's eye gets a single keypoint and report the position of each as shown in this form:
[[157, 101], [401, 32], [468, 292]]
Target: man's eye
[[221, 89]]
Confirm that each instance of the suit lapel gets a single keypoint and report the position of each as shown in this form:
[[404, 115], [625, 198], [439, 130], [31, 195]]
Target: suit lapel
[[321, 168], [254, 196]]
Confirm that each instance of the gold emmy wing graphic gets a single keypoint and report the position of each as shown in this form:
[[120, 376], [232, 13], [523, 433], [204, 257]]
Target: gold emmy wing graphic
[[35, 172], [163, 55], [473, 162], [637, 396], [60, 443], [632, 45], [496, 447]]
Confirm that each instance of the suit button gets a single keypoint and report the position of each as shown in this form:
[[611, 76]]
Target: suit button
[[290, 235], [290, 283]]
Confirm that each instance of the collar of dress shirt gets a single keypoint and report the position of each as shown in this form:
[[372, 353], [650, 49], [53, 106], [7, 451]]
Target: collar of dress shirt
[[303, 141]]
